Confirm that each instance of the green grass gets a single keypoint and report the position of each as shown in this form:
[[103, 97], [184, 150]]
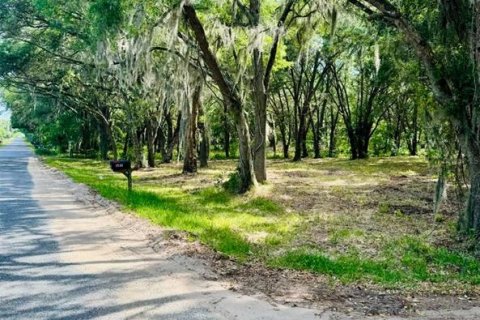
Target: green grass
[[406, 261], [347, 268], [261, 229]]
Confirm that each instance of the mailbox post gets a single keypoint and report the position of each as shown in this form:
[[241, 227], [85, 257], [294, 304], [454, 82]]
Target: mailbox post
[[123, 166]]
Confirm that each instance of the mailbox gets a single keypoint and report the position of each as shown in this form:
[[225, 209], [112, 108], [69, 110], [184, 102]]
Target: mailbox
[[120, 166], [125, 167]]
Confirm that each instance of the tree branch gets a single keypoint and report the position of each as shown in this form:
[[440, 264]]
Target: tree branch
[[423, 50], [228, 93], [274, 49]]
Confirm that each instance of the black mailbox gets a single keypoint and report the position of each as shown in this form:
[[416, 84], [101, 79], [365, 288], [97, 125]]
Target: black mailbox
[[125, 167], [120, 165]]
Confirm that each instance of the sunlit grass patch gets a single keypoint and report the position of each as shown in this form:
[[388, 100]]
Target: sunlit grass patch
[[407, 261], [425, 262], [347, 268]]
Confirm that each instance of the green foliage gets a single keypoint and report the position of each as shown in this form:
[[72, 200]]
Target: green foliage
[[105, 16], [233, 183], [56, 134], [96, 61]]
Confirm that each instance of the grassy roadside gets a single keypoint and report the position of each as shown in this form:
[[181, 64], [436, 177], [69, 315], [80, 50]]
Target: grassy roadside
[[219, 219], [362, 222]]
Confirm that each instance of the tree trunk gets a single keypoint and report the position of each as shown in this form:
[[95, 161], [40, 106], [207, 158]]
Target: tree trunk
[[333, 128], [362, 140], [299, 141], [86, 141], [285, 142], [151, 138], [260, 100], [151, 153], [472, 211], [413, 143], [151, 133], [285, 129], [167, 139], [397, 136], [471, 218], [137, 150], [363, 148], [352, 139], [245, 164], [261, 82], [125, 146], [304, 140], [104, 141], [113, 141], [226, 133], [316, 147], [468, 131], [286, 148], [204, 149], [331, 143], [316, 135], [174, 138], [273, 137], [317, 129], [161, 142], [190, 143], [231, 98], [259, 142]]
